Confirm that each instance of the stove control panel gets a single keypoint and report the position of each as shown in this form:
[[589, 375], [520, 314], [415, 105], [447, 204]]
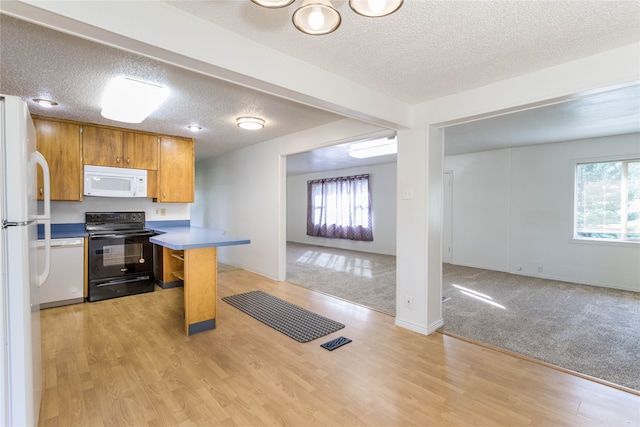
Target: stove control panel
[[114, 217]]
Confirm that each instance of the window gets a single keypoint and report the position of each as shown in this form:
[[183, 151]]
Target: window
[[339, 208], [607, 200]]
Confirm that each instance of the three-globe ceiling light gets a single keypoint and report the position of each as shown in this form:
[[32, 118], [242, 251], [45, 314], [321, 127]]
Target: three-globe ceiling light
[[318, 17]]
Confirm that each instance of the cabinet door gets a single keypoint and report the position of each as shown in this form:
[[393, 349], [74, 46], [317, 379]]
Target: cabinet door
[[102, 147], [61, 146], [140, 151], [176, 172]]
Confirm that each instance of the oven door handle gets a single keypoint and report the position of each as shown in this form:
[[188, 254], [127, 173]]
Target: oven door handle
[[120, 235], [119, 282]]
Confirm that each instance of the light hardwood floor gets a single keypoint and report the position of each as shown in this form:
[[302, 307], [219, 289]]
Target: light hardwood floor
[[127, 361]]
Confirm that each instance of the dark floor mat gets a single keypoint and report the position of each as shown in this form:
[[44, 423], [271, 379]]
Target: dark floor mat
[[293, 321]]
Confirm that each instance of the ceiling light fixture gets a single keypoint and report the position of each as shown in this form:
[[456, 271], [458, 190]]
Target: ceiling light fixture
[[250, 123], [194, 128], [319, 17], [131, 101], [373, 148], [45, 102]]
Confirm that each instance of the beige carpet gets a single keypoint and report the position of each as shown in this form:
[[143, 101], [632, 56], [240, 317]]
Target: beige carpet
[[359, 277]]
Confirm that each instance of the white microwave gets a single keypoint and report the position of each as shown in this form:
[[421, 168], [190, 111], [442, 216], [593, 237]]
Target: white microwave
[[104, 181]]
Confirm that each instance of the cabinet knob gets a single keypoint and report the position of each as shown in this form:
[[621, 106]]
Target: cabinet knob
[[127, 160], [117, 159], [41, 191], [164, 195]]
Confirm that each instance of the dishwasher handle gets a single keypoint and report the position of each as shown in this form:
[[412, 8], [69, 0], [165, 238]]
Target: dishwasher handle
[[63, 243]]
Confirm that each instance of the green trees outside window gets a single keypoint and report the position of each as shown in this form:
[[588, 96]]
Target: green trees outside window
[[607, 202]]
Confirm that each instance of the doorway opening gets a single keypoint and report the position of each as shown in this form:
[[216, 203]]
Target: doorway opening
[[362, 272]]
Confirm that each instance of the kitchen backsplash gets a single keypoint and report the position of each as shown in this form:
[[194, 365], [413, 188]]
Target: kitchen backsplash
[[73, 212]]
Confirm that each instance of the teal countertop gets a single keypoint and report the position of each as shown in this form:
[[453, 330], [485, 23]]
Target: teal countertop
[[186, 237]]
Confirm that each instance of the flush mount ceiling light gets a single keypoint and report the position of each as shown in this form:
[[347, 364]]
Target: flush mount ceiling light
[[319, 17], [250, 123], [373, 148], [45, 102], [131, 101], [194, 128]]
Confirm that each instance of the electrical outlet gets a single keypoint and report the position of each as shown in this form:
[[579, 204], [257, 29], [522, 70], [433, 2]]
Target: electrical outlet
[[157, 211], [539, 269], [163, 212], [408, 301]]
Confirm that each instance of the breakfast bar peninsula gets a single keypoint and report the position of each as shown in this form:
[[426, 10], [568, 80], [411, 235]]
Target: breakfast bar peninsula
[[193, 256]]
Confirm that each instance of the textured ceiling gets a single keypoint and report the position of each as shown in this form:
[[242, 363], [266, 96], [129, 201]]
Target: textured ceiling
[[426, 50], [614, 112], [36, 62], [429, 49]]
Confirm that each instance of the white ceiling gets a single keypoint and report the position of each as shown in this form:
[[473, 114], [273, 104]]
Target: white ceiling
[[426, 50], [614, 112]]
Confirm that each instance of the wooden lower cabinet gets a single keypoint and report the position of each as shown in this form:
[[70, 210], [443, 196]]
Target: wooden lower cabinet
[[198, 271], [200, 289], [167, 262]]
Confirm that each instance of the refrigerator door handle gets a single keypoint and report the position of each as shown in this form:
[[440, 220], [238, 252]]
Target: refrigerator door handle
[[45, 219]]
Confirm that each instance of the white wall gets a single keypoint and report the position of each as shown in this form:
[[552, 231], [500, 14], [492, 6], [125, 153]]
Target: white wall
[[73, 212], [513, 211], [251, 192], [244, 192], [480, 209], [382, 181], [417, 259]]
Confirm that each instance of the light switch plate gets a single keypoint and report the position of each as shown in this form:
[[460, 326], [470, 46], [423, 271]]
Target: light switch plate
[[407, 194]]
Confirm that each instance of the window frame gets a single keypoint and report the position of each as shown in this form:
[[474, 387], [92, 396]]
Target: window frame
[[634, 157]]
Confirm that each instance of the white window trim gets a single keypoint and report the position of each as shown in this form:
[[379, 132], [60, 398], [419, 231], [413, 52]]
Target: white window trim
[[574, 170]]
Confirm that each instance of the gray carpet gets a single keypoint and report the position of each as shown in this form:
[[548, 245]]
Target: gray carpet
[[587, 329], [359, 277], [293, 321]]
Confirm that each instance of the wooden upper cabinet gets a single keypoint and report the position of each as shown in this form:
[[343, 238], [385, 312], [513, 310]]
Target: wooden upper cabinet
[[61, 145], [140, 151], [118, 148], [102, 146], [176, 174]]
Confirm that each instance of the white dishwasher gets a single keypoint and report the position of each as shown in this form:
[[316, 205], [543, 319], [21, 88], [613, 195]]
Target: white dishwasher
[[65, 284]]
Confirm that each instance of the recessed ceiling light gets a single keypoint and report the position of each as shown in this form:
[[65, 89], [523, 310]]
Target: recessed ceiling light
[[373, 148], [250, 123], [45, 102], [194, 128], [131, 101]]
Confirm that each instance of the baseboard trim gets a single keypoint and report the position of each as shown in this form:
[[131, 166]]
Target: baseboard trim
[[419, 328]]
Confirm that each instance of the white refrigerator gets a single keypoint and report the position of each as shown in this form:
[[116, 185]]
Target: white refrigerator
[[20, 370]]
